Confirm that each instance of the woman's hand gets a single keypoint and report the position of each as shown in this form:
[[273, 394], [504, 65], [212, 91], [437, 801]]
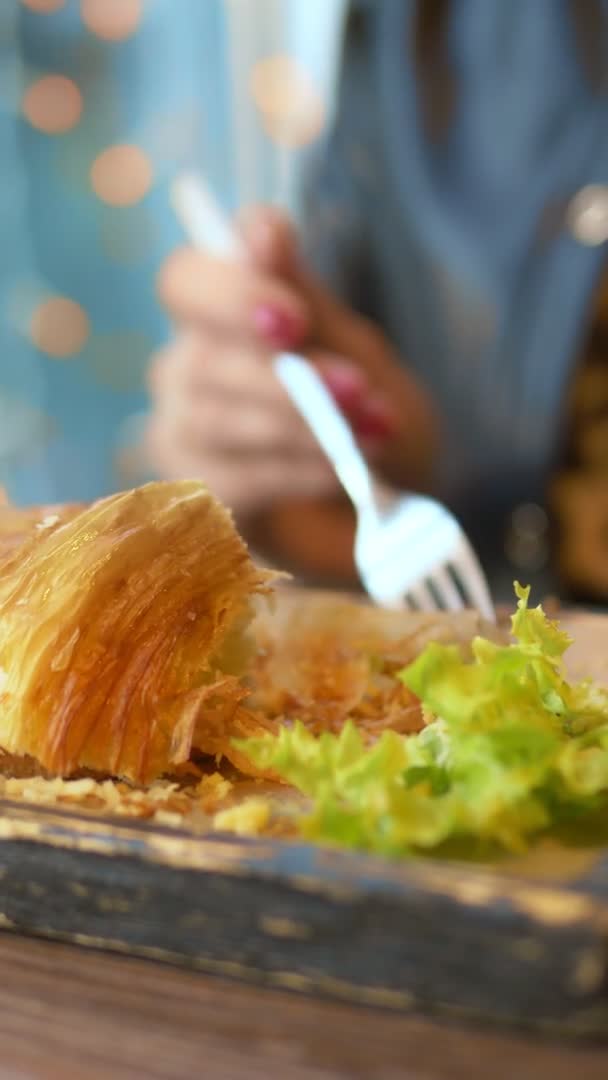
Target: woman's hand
[[219, 412]]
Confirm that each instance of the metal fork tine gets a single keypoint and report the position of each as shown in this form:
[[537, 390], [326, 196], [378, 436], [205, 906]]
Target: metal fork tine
[[450, 598], [473, 580], [423, 597]]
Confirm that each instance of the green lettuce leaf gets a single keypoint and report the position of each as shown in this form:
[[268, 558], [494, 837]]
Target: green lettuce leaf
[[510, 749]]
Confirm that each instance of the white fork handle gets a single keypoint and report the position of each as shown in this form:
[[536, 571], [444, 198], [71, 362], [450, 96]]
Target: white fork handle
[[201, 217], [208, 228], [334, 435]]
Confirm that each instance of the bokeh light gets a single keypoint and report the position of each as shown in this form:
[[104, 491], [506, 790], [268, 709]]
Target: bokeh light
[[112, 20], [121, 175], [52, 104], [43, 7], [290, 106], [59, 327]]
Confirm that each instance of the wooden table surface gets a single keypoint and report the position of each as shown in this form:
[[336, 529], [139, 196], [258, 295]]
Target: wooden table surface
[[68, 1013]]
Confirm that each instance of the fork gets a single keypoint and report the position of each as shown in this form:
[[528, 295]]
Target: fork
[[410, 551]]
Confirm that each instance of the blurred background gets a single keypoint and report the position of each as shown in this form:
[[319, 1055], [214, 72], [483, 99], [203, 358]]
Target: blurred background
[[101, 103], [461, 206]]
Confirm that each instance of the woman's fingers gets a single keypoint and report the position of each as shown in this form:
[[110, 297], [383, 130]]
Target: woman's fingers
[[235, 300], [245, 482], [221, 415], [226, 399]]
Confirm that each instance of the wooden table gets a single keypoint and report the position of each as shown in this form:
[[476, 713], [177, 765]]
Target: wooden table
[[68, 1013]]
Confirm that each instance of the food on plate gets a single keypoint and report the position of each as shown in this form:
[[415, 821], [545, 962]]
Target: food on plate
[[17, 523], [508, 748], [166, 802], [143, 673], [124, 644], [121, 624], [322, 661]]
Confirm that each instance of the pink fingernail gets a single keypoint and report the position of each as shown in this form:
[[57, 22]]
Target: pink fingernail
[[375, 419], [346, 383], [278, 327]]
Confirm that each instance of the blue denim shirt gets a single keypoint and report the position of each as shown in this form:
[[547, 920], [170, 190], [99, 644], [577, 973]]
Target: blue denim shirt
[[461, 244]]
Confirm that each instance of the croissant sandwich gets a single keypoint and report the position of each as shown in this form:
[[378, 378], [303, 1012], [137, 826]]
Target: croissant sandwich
[[121, 624]]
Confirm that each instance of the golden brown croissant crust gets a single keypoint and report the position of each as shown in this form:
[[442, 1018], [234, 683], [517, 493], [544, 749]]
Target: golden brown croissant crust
[[119, 624]]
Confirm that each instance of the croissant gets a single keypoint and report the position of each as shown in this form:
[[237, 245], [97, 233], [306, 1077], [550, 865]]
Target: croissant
[[120, 623]]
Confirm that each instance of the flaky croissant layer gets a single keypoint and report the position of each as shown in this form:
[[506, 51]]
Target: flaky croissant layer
[[114, 624]]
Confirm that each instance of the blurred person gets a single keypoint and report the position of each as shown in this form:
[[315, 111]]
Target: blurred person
[[447, 282], [447, 278]]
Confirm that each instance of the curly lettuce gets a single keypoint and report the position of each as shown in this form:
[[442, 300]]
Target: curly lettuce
[[510, 748]]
